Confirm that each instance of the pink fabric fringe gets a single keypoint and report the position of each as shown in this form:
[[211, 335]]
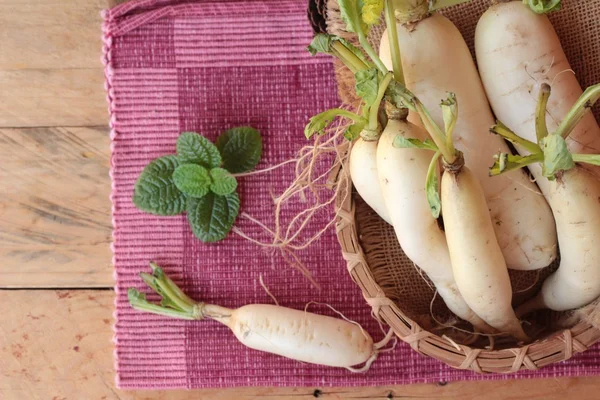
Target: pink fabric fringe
[[174, 66]]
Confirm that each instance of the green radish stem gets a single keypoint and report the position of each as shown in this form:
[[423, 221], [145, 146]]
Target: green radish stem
[[349, 59], [541, 128], [390, 21], [502, 130], [362, 38], [584, 104], [448, 151], [373, 114]]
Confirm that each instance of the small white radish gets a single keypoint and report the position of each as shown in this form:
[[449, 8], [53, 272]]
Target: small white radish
[[363, 171], [436, 60], [402, 173], [302, 336], [479, 268], [517, 52], [290, 333]]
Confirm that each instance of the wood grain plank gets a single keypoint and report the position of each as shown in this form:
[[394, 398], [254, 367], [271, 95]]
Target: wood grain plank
[[50, 34], [52, 97], [55, 225], [57, 345], [50, 69]]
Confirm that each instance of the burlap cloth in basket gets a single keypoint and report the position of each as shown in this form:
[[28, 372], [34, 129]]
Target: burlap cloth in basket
[[395, 288], [175, 65]]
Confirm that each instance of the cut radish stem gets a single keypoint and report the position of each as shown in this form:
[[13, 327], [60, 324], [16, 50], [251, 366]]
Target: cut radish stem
[[300, 335]]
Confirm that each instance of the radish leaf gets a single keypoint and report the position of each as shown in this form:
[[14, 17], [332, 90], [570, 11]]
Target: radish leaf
[[405, 143], [367, 85], [318, 123], [212, 216], [196, 149], [223, 182], [543, 6], [354, 130], [241, 149], [556, 156], [192, 179], [350, 11], [155, 191]]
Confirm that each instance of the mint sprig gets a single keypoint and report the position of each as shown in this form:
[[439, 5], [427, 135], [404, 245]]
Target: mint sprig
[[241, 149], [199, 180], [155, 191]]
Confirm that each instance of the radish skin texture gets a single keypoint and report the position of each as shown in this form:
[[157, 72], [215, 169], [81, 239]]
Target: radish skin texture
[[518, 51], [302, 336], [479, 268], [363, 171], [436, 60], [402, 173], [575, 199]]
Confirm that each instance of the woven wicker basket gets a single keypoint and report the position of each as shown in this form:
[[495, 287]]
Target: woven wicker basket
[[394, 288]]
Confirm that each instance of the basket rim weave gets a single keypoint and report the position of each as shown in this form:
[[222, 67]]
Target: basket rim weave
[[558, 347]]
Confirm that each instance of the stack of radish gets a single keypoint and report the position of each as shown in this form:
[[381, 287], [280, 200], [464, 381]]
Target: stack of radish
[[491, 222]]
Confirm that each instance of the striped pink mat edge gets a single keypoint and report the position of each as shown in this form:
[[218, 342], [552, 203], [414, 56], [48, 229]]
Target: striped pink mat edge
[[174, 66]]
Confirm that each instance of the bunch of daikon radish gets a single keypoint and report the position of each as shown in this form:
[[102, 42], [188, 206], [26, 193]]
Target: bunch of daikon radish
[[493, 218]]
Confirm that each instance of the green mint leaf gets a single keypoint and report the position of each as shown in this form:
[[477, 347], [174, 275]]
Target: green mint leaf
[[354, 130], [223, 182], [367, 85], [403, 143], [155, 192], [192, 179], [324, 43], [351, 14], [241, 149], [196, 149], [212, 216], [432, 187], [557, 156], [544, 6]]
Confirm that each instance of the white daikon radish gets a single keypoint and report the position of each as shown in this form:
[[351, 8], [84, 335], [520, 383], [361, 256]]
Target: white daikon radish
[[402, 174], [477, 262], [290, 333], [574, 195], [436, 60], [363, 172]]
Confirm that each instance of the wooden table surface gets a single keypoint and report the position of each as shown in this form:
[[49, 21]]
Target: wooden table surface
[[56, 298]]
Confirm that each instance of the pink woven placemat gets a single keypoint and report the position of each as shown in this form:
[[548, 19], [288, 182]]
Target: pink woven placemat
[[174, 66]]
